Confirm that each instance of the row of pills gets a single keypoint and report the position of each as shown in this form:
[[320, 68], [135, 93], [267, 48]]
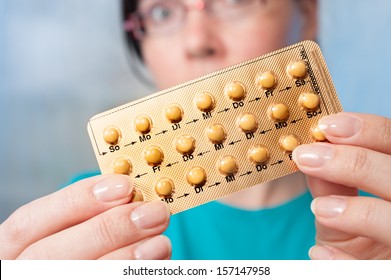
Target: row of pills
[[257, 154], [196, 175], [247, 122], [226, 165]]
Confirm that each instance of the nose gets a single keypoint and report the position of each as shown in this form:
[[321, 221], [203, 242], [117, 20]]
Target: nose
[[200, 34], [199, 4]]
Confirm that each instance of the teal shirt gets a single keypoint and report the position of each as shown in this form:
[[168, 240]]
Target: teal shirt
[[218, 231]]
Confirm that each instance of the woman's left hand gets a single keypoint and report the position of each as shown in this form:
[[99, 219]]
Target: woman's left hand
[[358, 157]]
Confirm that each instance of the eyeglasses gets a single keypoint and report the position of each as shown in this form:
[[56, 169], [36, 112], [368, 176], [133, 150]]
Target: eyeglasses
[[162, 17]]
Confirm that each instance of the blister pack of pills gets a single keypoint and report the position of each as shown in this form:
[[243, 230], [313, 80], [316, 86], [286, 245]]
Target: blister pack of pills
[[220, 133]]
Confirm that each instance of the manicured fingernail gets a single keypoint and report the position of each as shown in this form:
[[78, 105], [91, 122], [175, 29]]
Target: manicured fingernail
[[113, 188], [328, 206], [340, 125], [313, 155], [156, 248], [320, 253], [151, 214]]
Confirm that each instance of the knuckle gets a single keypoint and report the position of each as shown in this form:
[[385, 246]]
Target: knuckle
[[106, 233], [386, 130], [16, 228], [69, 202], [368, 214], [359, 163]]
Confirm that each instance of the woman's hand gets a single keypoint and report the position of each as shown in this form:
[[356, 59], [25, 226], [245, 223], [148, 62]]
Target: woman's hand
[[91, 219], [358, 157]]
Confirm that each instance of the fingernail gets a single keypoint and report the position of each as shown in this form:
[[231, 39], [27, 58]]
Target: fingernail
[[156, 248], [328, 206], [320, 253], [340, 125], [113, 188], [313, 155], [150, 214]]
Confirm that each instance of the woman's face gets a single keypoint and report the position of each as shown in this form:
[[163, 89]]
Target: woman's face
[[205, 43]]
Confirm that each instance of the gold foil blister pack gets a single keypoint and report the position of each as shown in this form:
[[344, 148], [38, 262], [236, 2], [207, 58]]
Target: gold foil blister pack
[[220, 133]]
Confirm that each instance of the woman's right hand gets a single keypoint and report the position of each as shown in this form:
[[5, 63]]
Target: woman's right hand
[[90, 219]]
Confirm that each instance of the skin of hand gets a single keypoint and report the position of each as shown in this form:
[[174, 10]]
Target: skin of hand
[[90, 219], [358, 157]]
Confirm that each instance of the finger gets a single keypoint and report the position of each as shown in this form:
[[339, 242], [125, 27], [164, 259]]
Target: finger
[[67, 207], [111, 230], [368, 131], [320, 187], [154, 248], [346, 165], [359, 216], [319, 252]]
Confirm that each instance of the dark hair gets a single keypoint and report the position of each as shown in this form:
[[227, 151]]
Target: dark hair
[[128, 7]]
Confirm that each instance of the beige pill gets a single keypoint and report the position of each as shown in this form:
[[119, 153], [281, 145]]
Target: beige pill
[[309, 101], [216, 133], [185, 144], [143, 124], [235, 91], [196, 176], [297, 69], [278, 112], [227, 165], [289, 142], [122, 166], [153, 155], [137, 196], [204, 101], [174, 113], [112, 135], [317, 134], [164, 187], [247, 122], [258, 154], [266, 80]]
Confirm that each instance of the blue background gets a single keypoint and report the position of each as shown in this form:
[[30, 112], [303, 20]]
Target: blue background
[[63, 61]]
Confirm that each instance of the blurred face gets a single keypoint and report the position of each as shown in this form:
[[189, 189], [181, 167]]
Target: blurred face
[[187, 39]]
